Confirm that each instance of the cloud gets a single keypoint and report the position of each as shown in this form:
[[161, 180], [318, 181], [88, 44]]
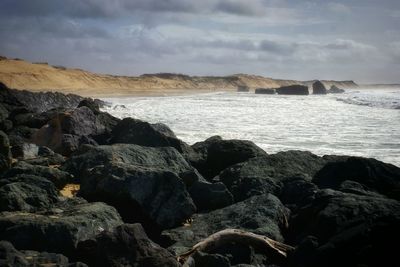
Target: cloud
[[339, 8]]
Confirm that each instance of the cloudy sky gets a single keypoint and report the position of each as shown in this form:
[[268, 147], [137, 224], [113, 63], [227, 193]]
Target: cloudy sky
[[352, 39]]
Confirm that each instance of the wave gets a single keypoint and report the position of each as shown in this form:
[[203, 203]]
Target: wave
[[376, 99]]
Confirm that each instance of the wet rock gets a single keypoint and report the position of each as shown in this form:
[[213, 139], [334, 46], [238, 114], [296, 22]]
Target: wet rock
[[133, 131], [264, 215], [265, 91], [5, 153], [375, 175], [161, 158], [125, 245], [26, 193], [57, 177], [19, 136], [9, 256], [293, 90], [335, 90], [216, 154], [348, 230], [210, 196], [319, 88], [91, 104], [265, 174], [156, 198], [58, 230]]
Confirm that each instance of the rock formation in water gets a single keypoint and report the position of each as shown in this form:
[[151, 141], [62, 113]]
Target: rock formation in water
[[293, 90], [335, 90], [146, 198], [265, 91], [319, 88]]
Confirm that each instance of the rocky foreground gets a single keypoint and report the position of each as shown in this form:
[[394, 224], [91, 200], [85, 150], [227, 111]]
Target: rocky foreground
[[79, 187]]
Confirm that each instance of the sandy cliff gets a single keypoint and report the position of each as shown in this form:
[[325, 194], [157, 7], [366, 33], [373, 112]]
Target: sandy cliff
[[21, 74]]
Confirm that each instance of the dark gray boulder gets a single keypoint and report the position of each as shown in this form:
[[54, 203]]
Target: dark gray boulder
[[319, 88], [264, 215], [293, 90], [57, 177], [125, 245], [265, 174], [265, 91], [335, 90], [91, 104], [375, 175], [216, 154], [69, 130], [11, 257], [5, 153], [26, 193], [156, 198], [161, 158], [210, 196], [347, 230], [133, 131], [297, 192], [59, 229]]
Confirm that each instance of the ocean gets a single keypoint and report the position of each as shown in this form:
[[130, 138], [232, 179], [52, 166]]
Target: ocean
[[359, 122]]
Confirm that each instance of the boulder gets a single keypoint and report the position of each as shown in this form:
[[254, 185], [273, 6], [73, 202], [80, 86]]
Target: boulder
[[347, 230], [91, 104], [9, 256], [160, 158], [133, 131], [319, 88], [26, 193], [265, 91], [264, 215], [293, 90], [19, 136], [156, 198], [215, 154], [46, 157], [69, 130], [375, 175], [5, 153], [210, 196], [125, 245], [265, 174], [59, 229], [335, 90], [297, 192], [57, 177]]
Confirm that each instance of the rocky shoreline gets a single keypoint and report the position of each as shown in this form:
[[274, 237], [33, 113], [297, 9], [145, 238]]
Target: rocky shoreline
[[139, 196]]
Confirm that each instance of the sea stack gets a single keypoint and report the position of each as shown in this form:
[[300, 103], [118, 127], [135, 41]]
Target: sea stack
[[319, 88], [265, 91], [293, 90]]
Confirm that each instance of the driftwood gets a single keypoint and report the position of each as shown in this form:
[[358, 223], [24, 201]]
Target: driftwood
[[270, 247]]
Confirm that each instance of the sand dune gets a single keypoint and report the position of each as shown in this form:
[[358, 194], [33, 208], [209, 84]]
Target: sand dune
[[20, 74]]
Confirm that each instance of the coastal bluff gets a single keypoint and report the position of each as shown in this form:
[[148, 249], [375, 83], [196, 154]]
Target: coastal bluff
[[79, 187], [39, 77]]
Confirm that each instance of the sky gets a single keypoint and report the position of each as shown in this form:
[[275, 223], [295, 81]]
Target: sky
[[289, 39]]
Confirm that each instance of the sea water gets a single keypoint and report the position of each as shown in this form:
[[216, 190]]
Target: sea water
[[359, 122]]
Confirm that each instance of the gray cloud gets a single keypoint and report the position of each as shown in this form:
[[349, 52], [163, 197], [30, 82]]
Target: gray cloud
[[279, 38]]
